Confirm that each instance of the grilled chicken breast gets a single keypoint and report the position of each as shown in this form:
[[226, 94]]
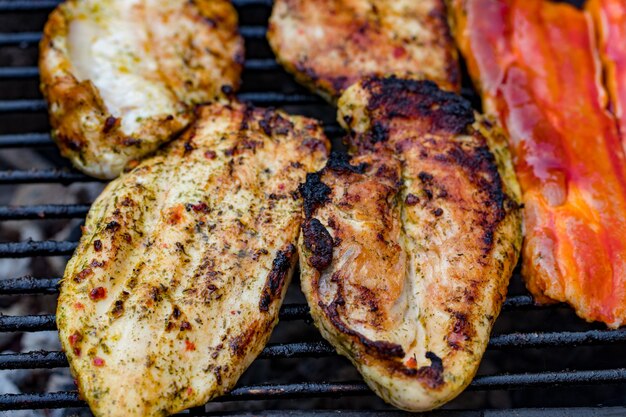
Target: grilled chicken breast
[[330, 44], [121, 76], [177, 281], [567, 147], [407, 249]]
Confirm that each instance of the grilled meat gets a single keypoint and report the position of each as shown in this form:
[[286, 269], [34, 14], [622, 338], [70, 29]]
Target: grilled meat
[[407, 249], [121, 76], [330, 44], [184, 262], [610, 23], [537, 69]]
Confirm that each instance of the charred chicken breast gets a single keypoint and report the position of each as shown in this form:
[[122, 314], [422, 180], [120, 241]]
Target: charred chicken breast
[[330, 44], [121, 76], [177, 281], [407, 249]]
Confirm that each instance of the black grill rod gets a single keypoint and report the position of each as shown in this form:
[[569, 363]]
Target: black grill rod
[[44, 211], [25, 140], [44, 5], [323, 389], [29, 285]]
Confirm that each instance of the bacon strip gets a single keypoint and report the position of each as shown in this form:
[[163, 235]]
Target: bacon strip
[[537, 67], [610, 22]]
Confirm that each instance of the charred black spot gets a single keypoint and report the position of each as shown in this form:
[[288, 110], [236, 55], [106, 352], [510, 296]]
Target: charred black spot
[[383, 349], [276, 278], [109, 124], [176, 312], [118, 308], [227, 89], [72, 144], [411, 200], [340, 162], [320, 242], [239, 344], [393, 97], [302, 68], [339, 83], [480, 165], [113, 226], [433, 374], [438, 212], [314, 193], [378, 132], [188, 146], [97, 245], [273, 124]]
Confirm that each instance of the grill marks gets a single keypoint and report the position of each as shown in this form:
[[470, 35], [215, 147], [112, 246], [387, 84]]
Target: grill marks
[[409, 245], [199, 264]]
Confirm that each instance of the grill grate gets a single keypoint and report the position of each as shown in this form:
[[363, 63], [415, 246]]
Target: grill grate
[[584, 356]]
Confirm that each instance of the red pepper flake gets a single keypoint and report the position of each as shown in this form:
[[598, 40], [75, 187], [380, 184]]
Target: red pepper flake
[[189, 390], [98, 361], [82, 275], [97, 245], [200, 208], [399, 52], [98, 293], [97, 264], [190, 345], [210, 155], [411, 363], [175, 214], [75, 338], [411, 200], [79, 306], [281, 186]]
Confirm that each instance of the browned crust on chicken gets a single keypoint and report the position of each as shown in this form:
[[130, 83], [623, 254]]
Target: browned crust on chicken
[[184, 263], [330, 44], [199, 54], [407, 248]]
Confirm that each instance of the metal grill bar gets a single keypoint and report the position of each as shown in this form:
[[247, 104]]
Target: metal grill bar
[[25, 140], [26, 106], [18, 72], [45, 211], [39, 248], [308, 390], [18, 38], [29, 285], [44, 176], [33, 5]]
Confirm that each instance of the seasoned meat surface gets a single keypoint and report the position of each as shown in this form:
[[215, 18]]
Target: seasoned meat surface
[[121, 76], [408, 247], [567, 148], [177, 281], [331, 44]]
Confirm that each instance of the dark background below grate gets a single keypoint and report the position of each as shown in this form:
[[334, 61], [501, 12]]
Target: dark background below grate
[[539, 356]]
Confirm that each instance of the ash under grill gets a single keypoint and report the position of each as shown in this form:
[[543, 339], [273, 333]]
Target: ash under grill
[[538, 357]]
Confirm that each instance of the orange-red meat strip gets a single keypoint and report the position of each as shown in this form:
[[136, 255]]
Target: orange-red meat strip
[[536, 65]]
